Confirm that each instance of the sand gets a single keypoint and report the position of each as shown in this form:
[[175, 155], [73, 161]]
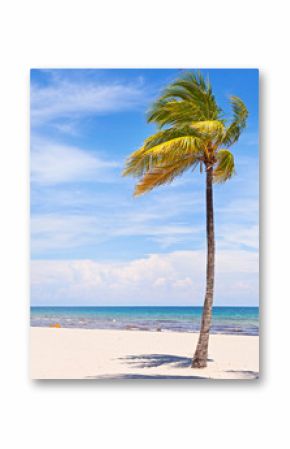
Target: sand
[[117, 354]]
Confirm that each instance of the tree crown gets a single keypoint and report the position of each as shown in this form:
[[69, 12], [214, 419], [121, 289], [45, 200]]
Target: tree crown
[[192, 131]]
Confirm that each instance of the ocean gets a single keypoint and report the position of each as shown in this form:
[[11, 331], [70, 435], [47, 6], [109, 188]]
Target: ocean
[[226, 320]]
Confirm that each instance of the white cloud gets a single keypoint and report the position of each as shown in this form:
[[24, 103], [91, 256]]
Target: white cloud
[[72, 99], [159, 282], [58, 232], [68, 126], [86, 219], [173, 278], [186, 282], [74, 216], [52, 163], [52, 232], [234, 235], [243, 209]]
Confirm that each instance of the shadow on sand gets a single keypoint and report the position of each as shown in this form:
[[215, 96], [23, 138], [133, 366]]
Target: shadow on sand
[[142, 376], [241, 376], [174, 361], [152, 361], [156, 360], [244, 375]]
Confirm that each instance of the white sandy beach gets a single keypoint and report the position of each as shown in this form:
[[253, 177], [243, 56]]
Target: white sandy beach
[[117, 354]]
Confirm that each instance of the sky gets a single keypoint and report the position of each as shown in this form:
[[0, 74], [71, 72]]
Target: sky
[[92, 242]]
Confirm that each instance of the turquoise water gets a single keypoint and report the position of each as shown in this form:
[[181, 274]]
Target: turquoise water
[[226, 320]]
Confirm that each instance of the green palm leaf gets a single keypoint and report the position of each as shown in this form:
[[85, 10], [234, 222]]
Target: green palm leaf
[[177, 113], [240, 115], [186, 100], [225, 166]]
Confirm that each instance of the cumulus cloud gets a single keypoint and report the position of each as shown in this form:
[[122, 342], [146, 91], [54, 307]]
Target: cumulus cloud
[[186, 282], [165, 279]]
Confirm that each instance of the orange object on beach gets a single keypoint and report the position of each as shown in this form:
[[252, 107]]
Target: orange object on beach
[[57, 325]]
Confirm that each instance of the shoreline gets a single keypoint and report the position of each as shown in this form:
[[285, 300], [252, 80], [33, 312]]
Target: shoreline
[[72, 353], [135, 329], [225, 320]]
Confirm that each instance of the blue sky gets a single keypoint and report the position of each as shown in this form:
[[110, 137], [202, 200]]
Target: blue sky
[[91, 241]]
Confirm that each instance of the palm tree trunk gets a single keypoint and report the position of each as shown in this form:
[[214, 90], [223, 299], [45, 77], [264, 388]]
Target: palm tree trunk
[[200, 356]]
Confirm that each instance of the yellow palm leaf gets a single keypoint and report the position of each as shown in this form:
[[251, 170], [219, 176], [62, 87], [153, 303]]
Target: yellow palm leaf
[[164, 174]]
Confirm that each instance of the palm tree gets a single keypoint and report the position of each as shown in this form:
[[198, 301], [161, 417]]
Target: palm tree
[[192, 132]]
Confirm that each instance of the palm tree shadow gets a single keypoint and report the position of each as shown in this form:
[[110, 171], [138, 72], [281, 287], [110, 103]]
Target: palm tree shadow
[[142, 376], [245, 374], [157, 360], [152, 361]]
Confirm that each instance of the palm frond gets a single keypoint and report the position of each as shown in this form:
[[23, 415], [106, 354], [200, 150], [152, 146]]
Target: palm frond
[[239, 122], [225, 166], [177, 147], [138, 163], [164, 174], [168, 134], [177, 113], [159, 150], [209, 129], [189, 98]]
